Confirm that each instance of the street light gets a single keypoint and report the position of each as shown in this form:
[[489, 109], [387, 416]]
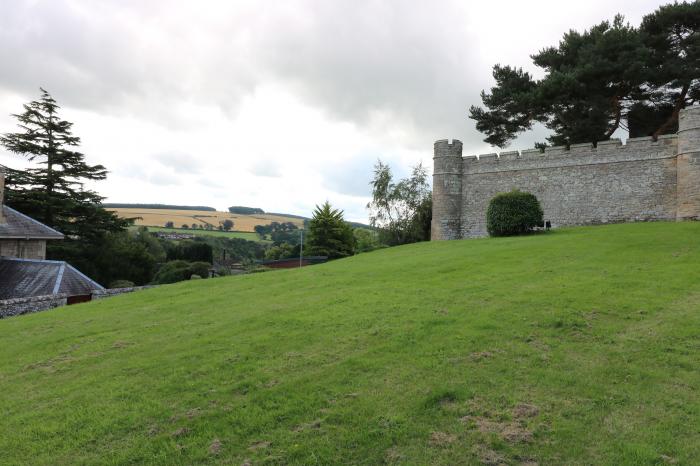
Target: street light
[[301, 245]]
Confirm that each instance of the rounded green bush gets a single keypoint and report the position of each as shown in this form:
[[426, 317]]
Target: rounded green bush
[[513, 213]]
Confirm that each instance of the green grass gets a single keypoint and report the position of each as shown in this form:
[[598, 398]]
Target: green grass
[[422, 354], [226, 234]]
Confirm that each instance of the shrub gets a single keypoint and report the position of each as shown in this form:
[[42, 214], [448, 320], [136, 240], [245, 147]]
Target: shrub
[[191, 251], [513, 213], [179, 270]]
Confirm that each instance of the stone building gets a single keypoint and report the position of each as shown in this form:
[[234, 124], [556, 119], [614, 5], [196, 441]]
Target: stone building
[[24, 271], [642, 180]]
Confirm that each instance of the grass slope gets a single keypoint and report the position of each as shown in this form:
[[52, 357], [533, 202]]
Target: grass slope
[[576, 347]]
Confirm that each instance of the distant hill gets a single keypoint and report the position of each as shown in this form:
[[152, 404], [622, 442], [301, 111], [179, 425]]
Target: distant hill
[[116, 205], [255, 215], [160, 217], [300, 217], [289, 215]]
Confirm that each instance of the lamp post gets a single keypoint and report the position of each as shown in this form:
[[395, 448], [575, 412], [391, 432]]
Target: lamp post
[[301, 246]]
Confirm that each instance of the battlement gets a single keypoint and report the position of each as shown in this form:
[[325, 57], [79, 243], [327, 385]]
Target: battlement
[[611, 181], [611, 151], [445, 148]]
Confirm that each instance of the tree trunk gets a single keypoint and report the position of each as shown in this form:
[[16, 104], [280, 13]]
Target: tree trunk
[[48, 212], [618, 116], [674, 115]]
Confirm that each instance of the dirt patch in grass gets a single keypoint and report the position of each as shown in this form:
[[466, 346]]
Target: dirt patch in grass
[[481, 355], [525, 410], [393, 455], [215, 447], [308, 426], [489, 457], [441, 439], [48, 365], [516, 433], [261, 445], [180, 432], [511, 432], [120, 344], [153, 430]]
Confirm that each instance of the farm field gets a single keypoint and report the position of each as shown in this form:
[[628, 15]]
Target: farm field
[[224, 234], [242, 223], [577, 347]]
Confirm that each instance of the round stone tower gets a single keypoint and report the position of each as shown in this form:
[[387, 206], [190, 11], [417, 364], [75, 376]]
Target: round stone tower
[[447, 190], [688, 164]]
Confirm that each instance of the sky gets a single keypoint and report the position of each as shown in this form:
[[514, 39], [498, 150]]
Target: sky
[[280, 105]]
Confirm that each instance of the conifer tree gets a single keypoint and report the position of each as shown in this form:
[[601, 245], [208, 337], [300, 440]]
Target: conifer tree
[[53, 191], [612, 76], [329, 234]]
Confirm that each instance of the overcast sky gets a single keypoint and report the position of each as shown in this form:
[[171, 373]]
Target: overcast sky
[[272, 104]]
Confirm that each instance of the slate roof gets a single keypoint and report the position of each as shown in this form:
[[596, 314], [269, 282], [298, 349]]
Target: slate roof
[[19, 226], [20, 278]]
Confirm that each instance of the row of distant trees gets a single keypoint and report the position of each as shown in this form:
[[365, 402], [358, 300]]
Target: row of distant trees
[[225, 225]]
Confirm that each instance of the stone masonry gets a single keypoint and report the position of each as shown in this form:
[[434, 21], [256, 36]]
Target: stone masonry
[[642, 180]]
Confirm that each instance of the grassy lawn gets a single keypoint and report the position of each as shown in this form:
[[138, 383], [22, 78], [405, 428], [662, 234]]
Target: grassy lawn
[[226, 234], [576, 347]]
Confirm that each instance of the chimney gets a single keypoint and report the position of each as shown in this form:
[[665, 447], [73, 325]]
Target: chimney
[[2, 194]]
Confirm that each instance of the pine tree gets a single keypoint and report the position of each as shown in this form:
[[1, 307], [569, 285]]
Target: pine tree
[[612, 76], [329, 234], [53, 192]]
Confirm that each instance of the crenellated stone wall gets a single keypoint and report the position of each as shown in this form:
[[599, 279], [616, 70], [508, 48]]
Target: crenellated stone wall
[[641, 180]]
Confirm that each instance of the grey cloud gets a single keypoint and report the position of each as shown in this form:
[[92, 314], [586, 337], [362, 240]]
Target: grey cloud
[[164, 179], [418, 63], [349, 177], [350, 58], [411, 62], [156, 177], [265, 167], [179, 162]]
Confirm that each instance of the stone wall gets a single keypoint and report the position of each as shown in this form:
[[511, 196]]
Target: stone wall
[[641, 180], [19, 306], [109, 292]]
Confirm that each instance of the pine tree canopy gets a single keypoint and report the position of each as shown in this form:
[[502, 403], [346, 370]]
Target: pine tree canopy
[[329, 234], [52, 191], [609, 77]]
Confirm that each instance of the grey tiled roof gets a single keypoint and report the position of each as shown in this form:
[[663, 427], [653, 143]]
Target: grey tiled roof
[[18, 225], [20, 278]]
